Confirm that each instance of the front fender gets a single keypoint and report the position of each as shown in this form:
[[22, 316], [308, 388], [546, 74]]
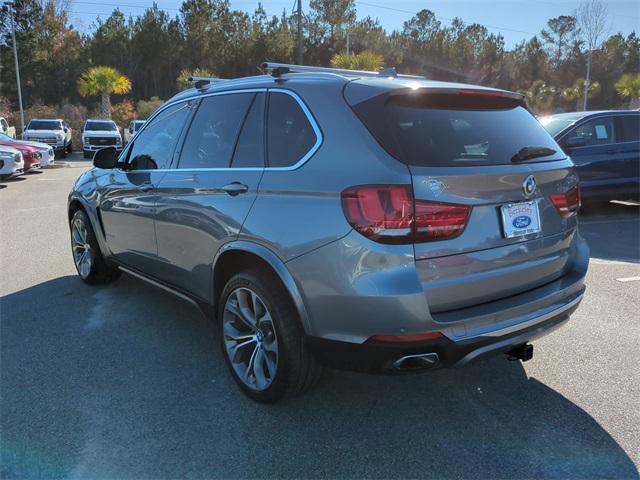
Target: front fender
[[278, 266]]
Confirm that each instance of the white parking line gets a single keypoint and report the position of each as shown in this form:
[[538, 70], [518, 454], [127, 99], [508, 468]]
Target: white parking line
[[628, 279]]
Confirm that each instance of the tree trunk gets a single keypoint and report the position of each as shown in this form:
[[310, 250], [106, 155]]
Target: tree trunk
[[106, 105]]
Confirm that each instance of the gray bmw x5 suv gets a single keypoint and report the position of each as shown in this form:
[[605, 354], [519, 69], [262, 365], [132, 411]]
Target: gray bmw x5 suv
[[381, 223]]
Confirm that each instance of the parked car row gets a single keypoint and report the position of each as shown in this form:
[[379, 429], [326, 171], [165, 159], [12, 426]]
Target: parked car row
[[56, 133], [21, 156]]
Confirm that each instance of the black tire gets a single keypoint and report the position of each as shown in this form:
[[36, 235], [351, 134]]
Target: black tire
[[99, 271], [296, 369], [70, 147]]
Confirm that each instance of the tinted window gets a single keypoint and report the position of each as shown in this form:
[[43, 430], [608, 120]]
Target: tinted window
[[289, 133], [153, 148], [629, 128], [443, 130], [599, 131], [250, 147], [214, 130]]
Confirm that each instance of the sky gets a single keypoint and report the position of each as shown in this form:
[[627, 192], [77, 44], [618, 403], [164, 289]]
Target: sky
[[516, 20]]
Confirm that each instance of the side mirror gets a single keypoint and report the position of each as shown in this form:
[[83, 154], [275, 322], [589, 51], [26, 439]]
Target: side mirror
[[105, 158], [574, 142], [130, 129], [66, 130]]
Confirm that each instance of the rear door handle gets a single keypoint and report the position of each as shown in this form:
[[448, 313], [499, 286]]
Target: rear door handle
[[235, 188], [146, 187]]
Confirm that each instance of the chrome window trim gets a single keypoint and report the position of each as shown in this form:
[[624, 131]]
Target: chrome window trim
[[295, 166]]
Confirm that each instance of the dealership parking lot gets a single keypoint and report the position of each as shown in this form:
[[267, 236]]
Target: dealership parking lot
[[125, 381]]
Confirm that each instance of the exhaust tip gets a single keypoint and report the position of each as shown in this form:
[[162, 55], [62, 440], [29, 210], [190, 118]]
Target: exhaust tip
[[416, 362]]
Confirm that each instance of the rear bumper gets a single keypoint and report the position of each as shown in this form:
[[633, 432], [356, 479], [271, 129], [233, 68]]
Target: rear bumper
[[382, 357]]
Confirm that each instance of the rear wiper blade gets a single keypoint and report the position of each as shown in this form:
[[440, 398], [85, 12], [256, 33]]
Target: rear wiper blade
[[527, 153]]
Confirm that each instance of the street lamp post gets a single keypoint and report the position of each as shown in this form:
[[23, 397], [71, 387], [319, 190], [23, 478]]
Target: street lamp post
[[9, 7], [587, 82]]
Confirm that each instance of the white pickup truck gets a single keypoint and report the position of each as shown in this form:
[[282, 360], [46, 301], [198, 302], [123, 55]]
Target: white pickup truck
[[52, 131], [6, 129], [98, 134]]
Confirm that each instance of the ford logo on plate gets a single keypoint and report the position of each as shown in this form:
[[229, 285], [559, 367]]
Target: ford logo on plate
[[521, 222]]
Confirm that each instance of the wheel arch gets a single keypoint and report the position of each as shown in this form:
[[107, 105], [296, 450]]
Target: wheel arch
[[234, 255], [76, 203]]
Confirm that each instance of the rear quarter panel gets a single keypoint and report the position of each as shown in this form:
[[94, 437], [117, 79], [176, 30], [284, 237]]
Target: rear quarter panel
[[300, 210]]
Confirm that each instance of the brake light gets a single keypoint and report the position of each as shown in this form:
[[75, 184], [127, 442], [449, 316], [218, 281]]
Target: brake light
[[389, 214], [416, 337], [567, 203]]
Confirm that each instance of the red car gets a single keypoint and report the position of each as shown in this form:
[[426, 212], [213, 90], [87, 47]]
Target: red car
[[30, 154]]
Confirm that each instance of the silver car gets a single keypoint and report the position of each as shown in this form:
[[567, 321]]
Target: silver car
[[375, 222]]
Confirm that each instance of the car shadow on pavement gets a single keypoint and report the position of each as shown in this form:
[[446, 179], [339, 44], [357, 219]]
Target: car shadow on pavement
[[124, 381], [612, 231]]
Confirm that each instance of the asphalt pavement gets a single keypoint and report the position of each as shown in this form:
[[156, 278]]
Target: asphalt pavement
[[125, 381]]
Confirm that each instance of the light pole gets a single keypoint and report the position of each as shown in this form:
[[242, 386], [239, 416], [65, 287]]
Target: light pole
[[299, 32], [587, 82], [9, 6]]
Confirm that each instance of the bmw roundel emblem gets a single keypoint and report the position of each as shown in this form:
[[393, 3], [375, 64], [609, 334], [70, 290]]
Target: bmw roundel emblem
[[529, 185]]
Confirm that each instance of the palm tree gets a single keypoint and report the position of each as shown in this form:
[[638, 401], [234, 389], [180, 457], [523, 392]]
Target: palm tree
[[104, 81], [540, 96], [575, 93], [628, 86], [182, 81], [366, 60]]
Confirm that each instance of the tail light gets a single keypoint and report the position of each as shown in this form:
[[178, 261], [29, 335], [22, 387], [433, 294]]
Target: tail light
[[389, 214], [567, 203]]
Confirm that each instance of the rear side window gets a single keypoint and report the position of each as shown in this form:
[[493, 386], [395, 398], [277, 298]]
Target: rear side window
[[214, 131], [599, 131], [290, 136], [442, 130], [153, 148], [629, 128]]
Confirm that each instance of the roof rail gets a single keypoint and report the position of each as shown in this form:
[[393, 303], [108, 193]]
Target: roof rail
[[201, 82], [279, 69]]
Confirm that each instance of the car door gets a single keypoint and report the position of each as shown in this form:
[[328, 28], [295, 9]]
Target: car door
[[203, 203], [597, 161], [127, 198], [628, 127]]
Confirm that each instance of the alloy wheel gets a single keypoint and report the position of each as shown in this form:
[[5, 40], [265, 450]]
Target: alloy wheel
[[250, 339], [82, 251]]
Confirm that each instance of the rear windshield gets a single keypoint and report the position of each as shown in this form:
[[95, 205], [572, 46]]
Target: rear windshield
[[44, 125], [440, 130], [100, 126]]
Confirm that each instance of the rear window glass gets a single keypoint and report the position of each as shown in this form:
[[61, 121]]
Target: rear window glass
[[439, 130], [290, 136]]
